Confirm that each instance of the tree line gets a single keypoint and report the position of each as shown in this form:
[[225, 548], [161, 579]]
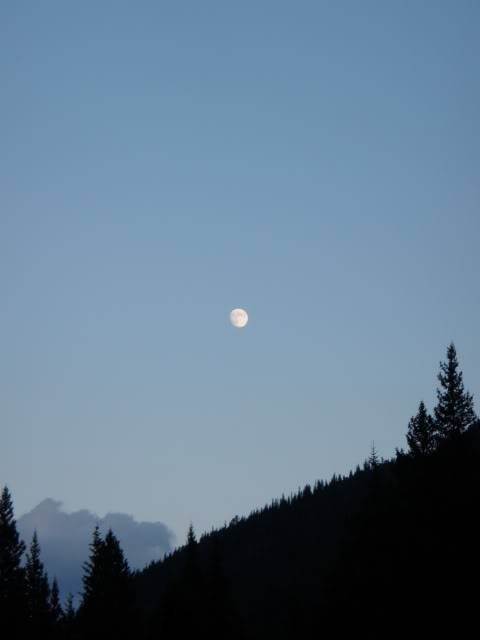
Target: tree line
[[453, 414], [30, 604], [253, 575]]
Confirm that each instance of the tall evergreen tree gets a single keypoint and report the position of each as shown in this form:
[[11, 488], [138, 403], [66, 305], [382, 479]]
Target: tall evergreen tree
[[12, 575], [421, 432], [454, 412], [119, 592], [69, 613], [90, 609], [193, 579], [193, 589], [37, 590], [182, 610], [69, 620], [373, 460], [107, 607], [92, 568], [56, 611]]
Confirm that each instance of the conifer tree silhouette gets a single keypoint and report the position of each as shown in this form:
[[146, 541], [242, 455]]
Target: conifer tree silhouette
[[183, 610], [421, 434], [92, 579], [12, 575], [454, 412], [373, 459], [193, 587], [37, 591], [69, 620], [56, 611], [107, 607]]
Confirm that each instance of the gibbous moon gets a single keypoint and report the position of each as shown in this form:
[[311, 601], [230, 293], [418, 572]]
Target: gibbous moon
[[239, 318]]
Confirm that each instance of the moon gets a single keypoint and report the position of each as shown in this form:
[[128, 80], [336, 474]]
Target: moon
[[239, 318]]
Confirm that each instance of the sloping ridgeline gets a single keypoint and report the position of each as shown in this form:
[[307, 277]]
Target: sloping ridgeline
[[388, 550]]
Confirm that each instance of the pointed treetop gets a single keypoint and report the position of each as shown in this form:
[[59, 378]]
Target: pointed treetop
[[6, 506], [69, 608], [421, 435], [454, 412], [55, 606], [114, 555], [373, 460], [6, 509], [191, 538], [9, 537], [37, 587], [12, 585]]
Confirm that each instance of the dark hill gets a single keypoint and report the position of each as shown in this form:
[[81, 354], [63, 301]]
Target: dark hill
[[391, 549]]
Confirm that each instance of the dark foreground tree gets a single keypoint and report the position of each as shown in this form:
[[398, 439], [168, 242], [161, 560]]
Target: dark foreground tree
[[191, 606], [55, 606], [56, 611], [107, 608], [373, 459], [182, 611], [38, 592], [421, 432], [68, 623], [454, 412], [12, 575]]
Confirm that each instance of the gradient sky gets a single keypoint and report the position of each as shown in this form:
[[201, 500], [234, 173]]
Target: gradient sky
[[317, 163]]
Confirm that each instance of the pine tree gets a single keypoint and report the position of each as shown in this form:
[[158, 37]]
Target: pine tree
[[454, 412], [118, 580], [421, 435], [69, 619], [192, 575], [373, 460], [193, 588], [37, 590], [56, 611], [12, 575], [107, 608], [69, 615], [191, 538], [182, 610], [90, 609]]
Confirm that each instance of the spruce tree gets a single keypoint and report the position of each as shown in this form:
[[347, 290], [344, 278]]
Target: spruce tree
[[37, 590], [454, 412], [107, 608], [182, 611], [421, 432], [192, 577], [193, 588], [373, 460], [69, 619], [56, 611], [90, 607], [69, 614], [119, 591], [12, 575]]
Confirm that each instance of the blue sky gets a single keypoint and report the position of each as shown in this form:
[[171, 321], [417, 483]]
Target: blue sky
[[163, 162]]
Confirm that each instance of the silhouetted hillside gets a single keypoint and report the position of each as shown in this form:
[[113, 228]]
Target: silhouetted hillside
[[391, 550], [393, 540]]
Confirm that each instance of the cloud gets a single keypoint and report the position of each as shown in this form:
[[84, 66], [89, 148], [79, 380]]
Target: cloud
[[65, 537]]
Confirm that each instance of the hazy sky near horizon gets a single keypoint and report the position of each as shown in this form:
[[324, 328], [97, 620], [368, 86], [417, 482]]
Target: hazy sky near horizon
[[317, 163]]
